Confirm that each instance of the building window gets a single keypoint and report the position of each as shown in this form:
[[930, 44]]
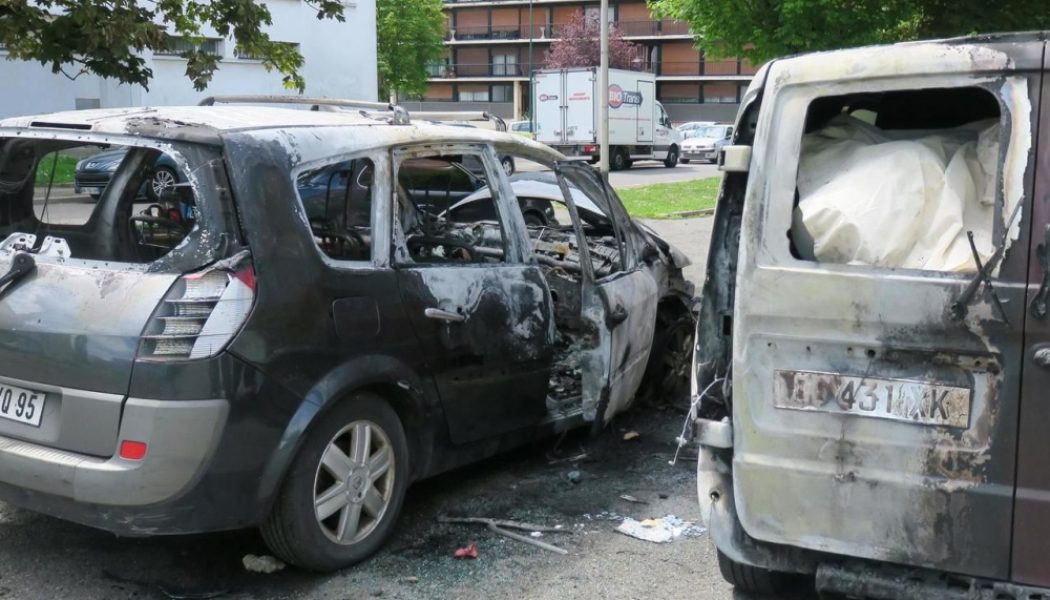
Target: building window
[[438, 69], [720, 93], [503, 92], [244, 55], [679, 93], [505, 65], [473, 93], [177, 46]]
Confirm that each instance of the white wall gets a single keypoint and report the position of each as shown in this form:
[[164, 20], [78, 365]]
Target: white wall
[[339, 61]]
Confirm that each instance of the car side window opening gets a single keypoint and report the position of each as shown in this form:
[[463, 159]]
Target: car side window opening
[[899, 179], [337, 199], [106, 201], [447, 213]]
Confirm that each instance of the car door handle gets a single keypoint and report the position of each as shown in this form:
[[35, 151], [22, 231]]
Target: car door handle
[[617, 316], [444, 315]]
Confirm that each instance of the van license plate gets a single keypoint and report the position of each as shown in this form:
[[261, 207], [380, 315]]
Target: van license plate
[[22, 405], [908, 400]]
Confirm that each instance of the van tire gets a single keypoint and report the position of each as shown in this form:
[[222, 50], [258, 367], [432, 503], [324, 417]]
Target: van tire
[[672, 158], [754, 579], [620, 160], [293, 531]]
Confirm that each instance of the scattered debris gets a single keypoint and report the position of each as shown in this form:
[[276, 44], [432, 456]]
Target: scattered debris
[[175, 594], [262, 564], [536, 534], [663, 496], [630, 435], [566, 459], [501, 526], [574, 476], [605, 515], [411, 579], [660, 530], [630, 498], [469, 551]]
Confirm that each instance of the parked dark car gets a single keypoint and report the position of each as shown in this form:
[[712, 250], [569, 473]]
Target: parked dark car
[[296, 334], [94, 173]]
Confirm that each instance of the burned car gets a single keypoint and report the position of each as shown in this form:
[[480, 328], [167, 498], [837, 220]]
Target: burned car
[[297, 332], [874, 349]]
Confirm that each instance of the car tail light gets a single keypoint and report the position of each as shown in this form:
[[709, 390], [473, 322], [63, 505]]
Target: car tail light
[[199, 315], [590, 149]]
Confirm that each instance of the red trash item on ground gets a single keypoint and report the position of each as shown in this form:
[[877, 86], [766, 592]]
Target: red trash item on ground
[[470, 551]]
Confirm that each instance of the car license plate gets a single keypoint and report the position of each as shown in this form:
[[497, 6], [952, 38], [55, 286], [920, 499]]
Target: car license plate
[[914, 401], [93, 190], [22, 405]]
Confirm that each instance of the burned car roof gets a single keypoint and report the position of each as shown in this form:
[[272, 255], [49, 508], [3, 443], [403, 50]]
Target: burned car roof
[[208, 124]]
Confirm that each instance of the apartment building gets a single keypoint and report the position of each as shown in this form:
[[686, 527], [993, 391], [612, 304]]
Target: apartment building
[[31, 88], [493, 46]]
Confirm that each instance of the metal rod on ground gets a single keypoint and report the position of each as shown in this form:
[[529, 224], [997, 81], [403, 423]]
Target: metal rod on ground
[[494, 525], [603, 93]]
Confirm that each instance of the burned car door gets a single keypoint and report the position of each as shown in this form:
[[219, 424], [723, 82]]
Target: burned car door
[[619, 297], [1031, 542], [880, 310], [482, 315]]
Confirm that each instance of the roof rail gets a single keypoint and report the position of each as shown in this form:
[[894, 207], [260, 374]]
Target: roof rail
[[400, 115], [461, 115]]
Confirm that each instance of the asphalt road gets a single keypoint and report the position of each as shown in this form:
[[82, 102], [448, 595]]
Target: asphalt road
[[41, 557]]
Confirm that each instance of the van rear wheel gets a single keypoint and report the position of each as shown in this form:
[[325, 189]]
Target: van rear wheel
[[754, 579], [344, 491]]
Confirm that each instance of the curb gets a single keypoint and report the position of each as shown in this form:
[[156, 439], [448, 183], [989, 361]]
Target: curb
[[685, 214]]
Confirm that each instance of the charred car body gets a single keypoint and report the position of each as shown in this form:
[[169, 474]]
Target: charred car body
[[872, 363], [251, 351]]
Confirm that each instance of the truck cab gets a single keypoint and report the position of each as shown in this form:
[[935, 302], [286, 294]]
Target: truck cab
[[873, 348]]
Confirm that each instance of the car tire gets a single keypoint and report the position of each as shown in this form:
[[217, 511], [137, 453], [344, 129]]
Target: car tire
[[685, 161], [507, 163], [756, 580], [672, 158], [666, 379], [329, 466], [95, 197], [162, 177], [534, 219]]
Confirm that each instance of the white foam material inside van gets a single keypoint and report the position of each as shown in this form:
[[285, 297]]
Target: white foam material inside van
[[902, 198]]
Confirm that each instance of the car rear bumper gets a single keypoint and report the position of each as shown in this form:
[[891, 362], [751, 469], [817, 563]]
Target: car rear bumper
[[181, 437]]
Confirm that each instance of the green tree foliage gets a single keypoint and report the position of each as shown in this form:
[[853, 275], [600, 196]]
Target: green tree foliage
[[763, 29], [410, 34], [108, 37]]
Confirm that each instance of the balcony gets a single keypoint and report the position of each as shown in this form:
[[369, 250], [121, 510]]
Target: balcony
[[544, 32], [465, 70], [702, 68]]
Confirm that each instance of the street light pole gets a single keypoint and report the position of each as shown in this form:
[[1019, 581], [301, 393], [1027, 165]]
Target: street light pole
[[532, 103], [603, 93]]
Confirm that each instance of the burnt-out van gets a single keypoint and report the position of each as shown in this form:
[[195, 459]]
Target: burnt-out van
[[873, 362]]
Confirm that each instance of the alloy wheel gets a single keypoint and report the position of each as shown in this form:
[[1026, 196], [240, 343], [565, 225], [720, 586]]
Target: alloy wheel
[[354, 483], [162, 180]]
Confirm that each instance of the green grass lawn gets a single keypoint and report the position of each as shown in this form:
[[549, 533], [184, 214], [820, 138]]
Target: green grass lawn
[[64, 168], [661, 200]]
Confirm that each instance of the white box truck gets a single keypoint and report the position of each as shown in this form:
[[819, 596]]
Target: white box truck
[[566, 112]]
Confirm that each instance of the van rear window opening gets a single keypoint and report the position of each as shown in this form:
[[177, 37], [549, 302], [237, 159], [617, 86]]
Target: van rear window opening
[[900, 179], [108, 202]]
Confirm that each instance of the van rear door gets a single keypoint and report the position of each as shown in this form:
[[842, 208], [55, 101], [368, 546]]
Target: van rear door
[[875, 403]]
